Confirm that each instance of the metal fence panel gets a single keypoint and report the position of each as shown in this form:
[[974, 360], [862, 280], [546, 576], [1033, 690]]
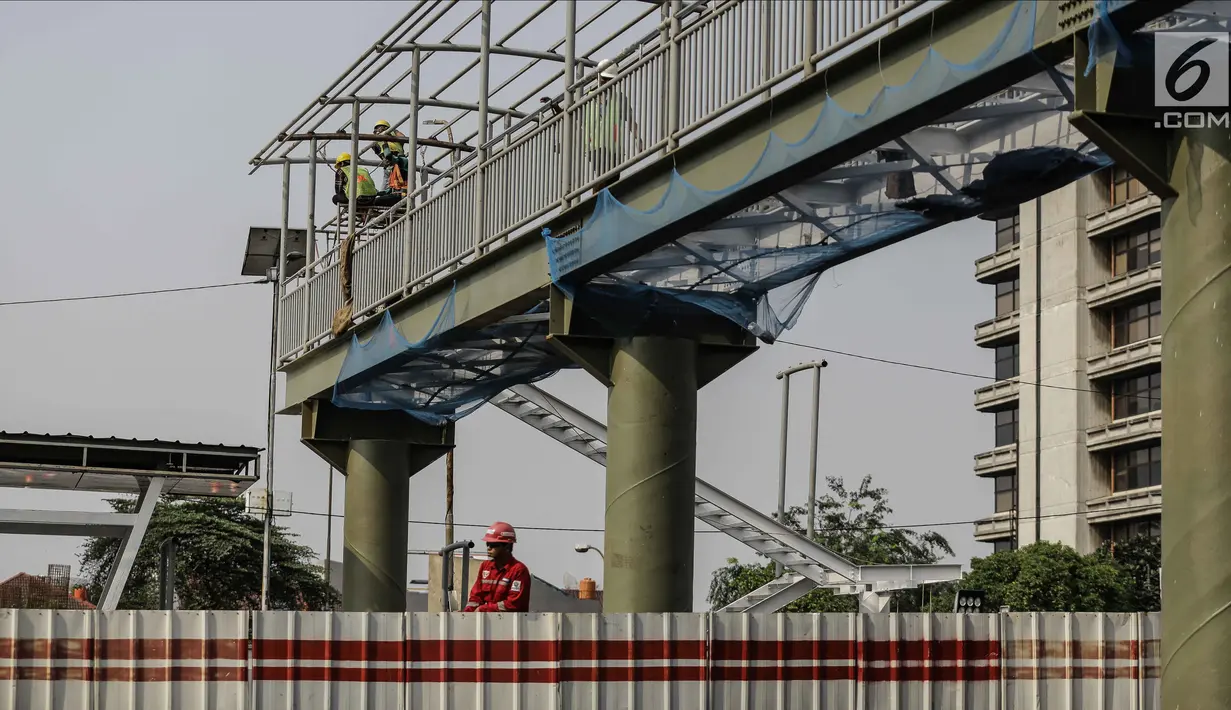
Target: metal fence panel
[[54, 660]]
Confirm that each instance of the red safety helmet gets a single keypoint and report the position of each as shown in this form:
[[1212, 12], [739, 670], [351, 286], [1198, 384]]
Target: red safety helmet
[[501, 532]]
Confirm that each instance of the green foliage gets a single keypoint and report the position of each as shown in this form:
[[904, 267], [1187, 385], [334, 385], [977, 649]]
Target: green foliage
[[217, 560], [1050, 576], [1141, 557], [854, 524]]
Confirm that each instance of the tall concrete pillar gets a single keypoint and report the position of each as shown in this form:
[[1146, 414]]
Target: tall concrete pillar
[[374, 530], [1197, 413], [651, 475]]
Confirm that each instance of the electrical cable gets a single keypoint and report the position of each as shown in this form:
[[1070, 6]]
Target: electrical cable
[[958, 373], [127, 294], [548, 528]]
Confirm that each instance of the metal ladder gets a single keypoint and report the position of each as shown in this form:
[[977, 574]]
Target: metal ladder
[[810, 564]]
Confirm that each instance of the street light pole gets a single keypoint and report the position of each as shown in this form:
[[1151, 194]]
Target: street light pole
[[785, 376]]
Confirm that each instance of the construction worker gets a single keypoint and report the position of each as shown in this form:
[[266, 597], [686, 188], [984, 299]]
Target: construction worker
[[503, 583], [392, 154], [341, 180], [606, 117]]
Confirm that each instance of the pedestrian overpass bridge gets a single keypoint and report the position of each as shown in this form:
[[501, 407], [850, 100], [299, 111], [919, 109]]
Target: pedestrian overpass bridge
[[760, 143]]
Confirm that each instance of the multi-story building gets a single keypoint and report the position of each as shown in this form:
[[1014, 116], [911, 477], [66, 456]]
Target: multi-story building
[[1076, 337]]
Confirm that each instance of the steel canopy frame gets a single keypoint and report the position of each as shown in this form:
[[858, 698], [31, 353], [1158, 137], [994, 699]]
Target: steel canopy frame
[[148, 468]]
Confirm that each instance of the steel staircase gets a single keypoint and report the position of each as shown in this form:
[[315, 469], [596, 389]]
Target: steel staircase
[[810, 564]]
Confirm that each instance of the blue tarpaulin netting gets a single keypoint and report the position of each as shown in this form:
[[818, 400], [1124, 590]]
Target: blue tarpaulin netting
[[755, 268]]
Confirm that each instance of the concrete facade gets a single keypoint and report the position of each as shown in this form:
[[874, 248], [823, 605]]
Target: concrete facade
[[1085, 389]]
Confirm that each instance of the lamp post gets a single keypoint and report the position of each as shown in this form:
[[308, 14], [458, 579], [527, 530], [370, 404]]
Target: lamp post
[[272, 253], [584, 548], [785, 376]]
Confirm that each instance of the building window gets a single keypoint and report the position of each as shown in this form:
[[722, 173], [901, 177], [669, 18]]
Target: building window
[[1006, 297], [1007, 362], [1136, 323], [1006, 487], [1136, 395], [1008, 231], [1004, 545], [1126, 529], [1136, 250], [1136, 468], [1125, 187], [1006, 427]]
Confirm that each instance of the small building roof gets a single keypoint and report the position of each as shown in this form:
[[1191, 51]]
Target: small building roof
[[115, 465]]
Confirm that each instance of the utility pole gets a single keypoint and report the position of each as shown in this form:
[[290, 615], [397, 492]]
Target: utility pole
[[449, 497]]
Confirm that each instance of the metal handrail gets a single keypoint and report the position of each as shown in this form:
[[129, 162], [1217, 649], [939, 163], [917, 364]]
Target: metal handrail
[[576, 177]]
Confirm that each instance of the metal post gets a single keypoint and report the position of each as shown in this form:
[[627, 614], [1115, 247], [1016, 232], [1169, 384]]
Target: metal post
[[570, 76], [651, 475], [354, 157], [311, 246], [1197, 507], [412, 167], [374, 527], [449, 497], [166, 574], [816, 429], [673, 76], [311, 205], [782, 440], [484, 75], [811, 30], [785, 376], [329, 530], [279, 275], [446, 569]]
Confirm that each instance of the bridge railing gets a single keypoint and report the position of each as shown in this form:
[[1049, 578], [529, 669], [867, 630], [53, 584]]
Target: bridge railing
[[701, 75]]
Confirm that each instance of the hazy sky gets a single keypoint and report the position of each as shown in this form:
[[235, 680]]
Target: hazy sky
[[128, 130]]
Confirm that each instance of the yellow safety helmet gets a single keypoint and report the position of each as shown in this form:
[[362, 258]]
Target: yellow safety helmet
[[342, 158], [382, 122]]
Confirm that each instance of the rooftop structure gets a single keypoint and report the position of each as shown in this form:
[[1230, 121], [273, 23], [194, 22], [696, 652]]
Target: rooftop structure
[[146, 468]]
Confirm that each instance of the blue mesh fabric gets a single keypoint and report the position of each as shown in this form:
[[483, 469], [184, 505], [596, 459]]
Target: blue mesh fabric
[[754, 268], [447, 374]]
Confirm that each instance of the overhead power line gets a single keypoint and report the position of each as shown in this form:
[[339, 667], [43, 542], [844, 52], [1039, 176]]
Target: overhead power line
[[552, 528], [128, 294], [959, 373]]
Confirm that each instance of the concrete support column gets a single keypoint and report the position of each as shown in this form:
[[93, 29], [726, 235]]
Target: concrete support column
[[651, 475], [1197, 411], [374, 529]]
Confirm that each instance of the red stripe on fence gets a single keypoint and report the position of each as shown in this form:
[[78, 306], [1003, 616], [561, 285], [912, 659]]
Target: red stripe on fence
[[122, 674], [124, 649], [473, 651]]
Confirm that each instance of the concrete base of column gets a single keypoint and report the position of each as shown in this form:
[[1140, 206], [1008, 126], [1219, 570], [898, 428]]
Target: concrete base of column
[[374, 529], [651, 476]]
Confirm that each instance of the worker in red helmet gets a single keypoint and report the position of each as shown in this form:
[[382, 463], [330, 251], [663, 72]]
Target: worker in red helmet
[[503, 583]]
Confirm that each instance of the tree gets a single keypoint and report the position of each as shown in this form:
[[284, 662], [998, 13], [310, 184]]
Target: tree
[[1141, 558], [854, 524], [1047, 576], [1050, 576], [217, 559]]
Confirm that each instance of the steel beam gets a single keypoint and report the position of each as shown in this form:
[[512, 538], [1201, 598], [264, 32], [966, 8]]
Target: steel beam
[[130, 544], [69, 523]]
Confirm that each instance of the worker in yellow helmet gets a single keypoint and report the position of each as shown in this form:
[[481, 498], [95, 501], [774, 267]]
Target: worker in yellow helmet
[[341, 180], [392, 154]]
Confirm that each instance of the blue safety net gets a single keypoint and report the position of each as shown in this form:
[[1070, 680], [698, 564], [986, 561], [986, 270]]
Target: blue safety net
[[755, 268], [448, 373]]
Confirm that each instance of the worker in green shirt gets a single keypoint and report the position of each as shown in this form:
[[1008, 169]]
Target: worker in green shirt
[[607, 124]]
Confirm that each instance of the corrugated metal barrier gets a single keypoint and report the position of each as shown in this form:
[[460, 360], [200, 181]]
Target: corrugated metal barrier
[[76, 660]]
